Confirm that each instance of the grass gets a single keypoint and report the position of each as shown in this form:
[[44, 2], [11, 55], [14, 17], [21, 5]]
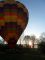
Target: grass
[[21, 54]]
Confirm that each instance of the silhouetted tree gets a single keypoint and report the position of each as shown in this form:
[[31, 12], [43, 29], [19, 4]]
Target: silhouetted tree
[[33, 39], [26, 39], [42, 37], [41, 47]]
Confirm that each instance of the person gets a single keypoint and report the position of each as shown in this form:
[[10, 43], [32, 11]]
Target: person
[[13, 20]]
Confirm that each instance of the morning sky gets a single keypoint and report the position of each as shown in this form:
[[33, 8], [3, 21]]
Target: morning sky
[[36, 23]]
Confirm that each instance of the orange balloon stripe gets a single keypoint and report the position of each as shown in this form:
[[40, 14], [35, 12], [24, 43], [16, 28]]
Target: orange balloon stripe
[[2, 18], [9, 13]]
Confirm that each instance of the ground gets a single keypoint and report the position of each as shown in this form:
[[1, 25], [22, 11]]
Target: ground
[[21, 54]]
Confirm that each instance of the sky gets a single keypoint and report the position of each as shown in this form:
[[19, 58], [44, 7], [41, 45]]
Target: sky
[[36, 23], [36, 19]]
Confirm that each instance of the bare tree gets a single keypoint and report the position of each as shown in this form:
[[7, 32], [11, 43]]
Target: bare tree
[[33, 39], [27, 38], [42, 36]]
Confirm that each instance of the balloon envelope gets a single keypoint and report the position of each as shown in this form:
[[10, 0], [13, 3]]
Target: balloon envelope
[[13, 20]]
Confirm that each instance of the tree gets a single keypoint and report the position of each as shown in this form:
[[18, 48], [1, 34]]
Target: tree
[[41, 47], [33, 39], [26, 39], [42, 37], [42, 43]]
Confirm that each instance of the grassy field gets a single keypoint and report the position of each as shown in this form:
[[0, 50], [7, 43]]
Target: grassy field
[[19, 53]]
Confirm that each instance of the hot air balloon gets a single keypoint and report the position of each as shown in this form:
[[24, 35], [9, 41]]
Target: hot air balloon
[[13, 20]]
